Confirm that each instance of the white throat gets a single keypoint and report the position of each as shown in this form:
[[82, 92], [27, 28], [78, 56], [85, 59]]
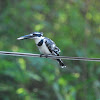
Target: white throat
[[38, 39]]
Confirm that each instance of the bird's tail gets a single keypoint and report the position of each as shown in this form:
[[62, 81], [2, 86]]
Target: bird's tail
[[61, 63]]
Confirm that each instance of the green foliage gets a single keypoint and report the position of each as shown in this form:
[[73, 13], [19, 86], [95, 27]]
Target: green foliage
[[74, 25]]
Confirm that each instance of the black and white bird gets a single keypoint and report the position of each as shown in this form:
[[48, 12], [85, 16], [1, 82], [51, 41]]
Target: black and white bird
[[45, 45]]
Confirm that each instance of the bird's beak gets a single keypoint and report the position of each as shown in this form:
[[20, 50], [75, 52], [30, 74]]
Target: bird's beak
[[25, 37]]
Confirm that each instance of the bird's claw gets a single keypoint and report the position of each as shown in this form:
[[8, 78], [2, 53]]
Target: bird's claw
[[41, 55], [46, 56]]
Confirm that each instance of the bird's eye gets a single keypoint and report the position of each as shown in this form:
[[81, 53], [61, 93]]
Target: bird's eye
[[34, 34]]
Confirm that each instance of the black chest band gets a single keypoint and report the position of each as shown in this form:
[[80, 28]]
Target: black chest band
[[40, 43]]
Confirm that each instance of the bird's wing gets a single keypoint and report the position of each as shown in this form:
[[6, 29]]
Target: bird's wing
[[52, 46]]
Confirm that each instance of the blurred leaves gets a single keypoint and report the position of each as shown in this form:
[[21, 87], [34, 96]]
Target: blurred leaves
[[74, 25]]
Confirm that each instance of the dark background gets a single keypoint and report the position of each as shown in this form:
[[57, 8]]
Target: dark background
[[74, 25]]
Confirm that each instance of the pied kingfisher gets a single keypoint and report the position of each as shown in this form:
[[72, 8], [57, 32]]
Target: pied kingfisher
[[45, 45]]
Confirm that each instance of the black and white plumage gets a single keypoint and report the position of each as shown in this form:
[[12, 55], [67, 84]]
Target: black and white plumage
[[45, 45]]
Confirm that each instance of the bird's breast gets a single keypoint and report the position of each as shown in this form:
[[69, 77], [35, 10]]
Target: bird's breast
[[44, 49]]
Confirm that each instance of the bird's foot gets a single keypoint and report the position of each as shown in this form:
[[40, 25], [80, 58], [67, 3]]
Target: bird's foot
[[44, 55], [48, 55], [41, 55]]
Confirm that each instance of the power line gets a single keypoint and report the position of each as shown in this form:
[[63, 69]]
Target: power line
[[48, 56]]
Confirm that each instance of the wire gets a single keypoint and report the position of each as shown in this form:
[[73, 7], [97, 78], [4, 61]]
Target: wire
[[48, 56]]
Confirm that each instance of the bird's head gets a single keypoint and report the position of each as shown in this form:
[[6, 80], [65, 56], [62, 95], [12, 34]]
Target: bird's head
[[33, 35]]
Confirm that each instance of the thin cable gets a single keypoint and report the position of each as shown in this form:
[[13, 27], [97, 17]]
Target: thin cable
[[48, 56]]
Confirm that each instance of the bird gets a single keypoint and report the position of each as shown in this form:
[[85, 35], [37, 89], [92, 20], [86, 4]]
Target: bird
[[45, 45]]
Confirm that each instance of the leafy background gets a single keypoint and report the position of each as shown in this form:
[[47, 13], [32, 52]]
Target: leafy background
[[74, 25]]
